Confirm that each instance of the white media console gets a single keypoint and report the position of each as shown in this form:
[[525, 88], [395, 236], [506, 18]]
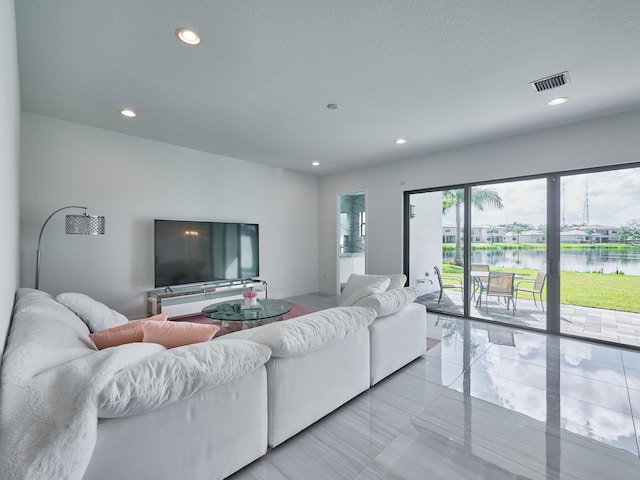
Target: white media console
[[188, 300]]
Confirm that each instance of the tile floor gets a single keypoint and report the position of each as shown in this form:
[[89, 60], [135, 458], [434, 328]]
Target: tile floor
[[485, 402]]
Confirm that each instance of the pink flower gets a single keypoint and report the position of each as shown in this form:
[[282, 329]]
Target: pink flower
[[250, 294]]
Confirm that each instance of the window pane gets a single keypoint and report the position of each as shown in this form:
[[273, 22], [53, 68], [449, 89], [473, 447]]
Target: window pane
[[600, 255], [436, 249], [508, 252]]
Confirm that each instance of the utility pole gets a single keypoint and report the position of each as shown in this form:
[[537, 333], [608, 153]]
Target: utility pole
[[585, 209]]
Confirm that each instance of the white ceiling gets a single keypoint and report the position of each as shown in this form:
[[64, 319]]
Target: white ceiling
[[438, 73]]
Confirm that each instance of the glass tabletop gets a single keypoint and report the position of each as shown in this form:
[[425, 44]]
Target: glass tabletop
[[233, 311]]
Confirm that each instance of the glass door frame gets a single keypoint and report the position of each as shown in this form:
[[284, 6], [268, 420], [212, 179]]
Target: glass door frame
[[554, 225]]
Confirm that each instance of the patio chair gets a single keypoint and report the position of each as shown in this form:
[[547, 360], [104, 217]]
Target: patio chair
[[500, 284], [479, 277], [442, 279], [536, 289]]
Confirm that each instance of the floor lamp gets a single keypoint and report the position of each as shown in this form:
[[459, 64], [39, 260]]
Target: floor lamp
[[76, 224]]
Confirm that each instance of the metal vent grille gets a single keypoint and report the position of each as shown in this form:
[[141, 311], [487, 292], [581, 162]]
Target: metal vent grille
[[553, 81]]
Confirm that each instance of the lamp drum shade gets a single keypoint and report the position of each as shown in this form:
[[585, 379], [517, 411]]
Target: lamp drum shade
[[85, 224]]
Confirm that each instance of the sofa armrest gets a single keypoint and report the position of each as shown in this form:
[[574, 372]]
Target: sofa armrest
[[313, 331], [176, 374]]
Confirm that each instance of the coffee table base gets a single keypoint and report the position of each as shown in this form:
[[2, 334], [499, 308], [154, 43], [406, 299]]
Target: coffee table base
[[232, 326]]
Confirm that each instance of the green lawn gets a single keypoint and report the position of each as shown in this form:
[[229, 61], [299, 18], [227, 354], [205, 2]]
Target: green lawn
[[597, 290]]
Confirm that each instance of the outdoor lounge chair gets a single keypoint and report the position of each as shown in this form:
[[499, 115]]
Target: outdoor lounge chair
[[500, 284], [536, 289], [457, 283], [479, 276]]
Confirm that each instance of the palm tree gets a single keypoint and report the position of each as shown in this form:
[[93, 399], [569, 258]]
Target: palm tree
[[589, 231], [518, 229], [480, 198]]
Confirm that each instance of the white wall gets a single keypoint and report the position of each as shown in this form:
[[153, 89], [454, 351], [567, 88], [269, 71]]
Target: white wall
[[9, 142], [604, 141], [425, 244], [131, 181]]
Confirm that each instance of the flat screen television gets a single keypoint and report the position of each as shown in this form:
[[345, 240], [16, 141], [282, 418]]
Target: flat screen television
[[189, 252]]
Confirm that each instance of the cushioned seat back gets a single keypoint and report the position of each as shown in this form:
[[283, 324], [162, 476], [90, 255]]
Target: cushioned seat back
[[43, 334]]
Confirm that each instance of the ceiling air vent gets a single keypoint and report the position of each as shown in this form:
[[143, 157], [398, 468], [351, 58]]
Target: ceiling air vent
[[553, 81]]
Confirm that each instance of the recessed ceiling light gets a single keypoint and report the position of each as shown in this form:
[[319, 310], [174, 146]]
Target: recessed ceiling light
[[400, 141], [315, 164], [188, 36], [557, 101], [127, 112]]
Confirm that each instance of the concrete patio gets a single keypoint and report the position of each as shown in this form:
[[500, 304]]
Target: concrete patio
[[608, 325]]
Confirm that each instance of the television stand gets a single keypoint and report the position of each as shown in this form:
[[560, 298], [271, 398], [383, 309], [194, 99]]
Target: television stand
[[187, 300]]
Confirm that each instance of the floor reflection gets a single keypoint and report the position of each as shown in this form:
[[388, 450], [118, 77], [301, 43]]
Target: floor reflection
[[575, 387], [483, 402]]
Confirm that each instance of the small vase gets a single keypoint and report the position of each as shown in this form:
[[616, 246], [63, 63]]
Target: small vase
[[249, 302]]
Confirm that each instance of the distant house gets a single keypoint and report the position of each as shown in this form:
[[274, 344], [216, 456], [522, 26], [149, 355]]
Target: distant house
[[533, 236], [601, 234], [573, 236], [448, 233], [479, 233], [604, 233], [528, 236]]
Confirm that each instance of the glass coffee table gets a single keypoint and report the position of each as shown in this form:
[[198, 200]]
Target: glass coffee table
[[231, 312]]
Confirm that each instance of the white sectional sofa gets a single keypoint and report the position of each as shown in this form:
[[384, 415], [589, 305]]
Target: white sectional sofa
[[322, 360], [397, 339], [398, 334], [197, 412], [318, 362], [140, 410]]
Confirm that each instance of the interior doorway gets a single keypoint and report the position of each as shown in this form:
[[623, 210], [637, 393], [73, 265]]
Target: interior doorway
[[352, 221]]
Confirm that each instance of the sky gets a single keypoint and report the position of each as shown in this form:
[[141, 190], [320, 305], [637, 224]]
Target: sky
[[614, 199]]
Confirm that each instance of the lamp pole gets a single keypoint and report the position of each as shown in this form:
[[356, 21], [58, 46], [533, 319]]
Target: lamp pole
[[40, 239]]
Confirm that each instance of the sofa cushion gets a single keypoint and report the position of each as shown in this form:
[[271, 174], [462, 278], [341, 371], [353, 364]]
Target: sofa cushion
[[43, 335], [128, 333], [390, 301], [96, 315], [397, 280], [175, 374], [360, 286], [177, 334], [313, 331]]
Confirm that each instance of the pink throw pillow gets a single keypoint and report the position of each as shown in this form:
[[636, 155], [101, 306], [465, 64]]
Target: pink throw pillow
[[127, 333], [176, 334]]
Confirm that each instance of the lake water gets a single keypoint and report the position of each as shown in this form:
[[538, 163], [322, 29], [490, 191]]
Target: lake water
[[587, 260]]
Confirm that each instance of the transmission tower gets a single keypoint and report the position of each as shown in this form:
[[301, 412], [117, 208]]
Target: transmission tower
[[585, 209]]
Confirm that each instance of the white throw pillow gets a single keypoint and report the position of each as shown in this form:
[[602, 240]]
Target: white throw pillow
[[390, 301], [176, 374], [312, 332], [397, 280], [96, 315], [360, 286]]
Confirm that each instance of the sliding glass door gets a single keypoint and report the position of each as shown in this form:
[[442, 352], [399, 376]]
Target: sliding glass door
[[509, 252], [558, 252], [600, 255], [436, 245]]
